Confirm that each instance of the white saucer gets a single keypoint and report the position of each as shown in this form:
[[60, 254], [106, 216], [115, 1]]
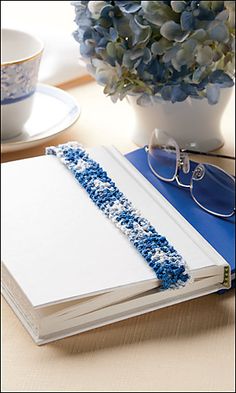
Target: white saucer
[[53, 111]]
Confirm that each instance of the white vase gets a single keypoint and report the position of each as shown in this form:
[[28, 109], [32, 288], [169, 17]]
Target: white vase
[[193, 123]]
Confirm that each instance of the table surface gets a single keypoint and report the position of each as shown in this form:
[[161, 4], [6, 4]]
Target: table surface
[[186, 347]]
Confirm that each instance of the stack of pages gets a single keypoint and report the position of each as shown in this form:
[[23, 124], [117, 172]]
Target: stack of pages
[[66, 268]]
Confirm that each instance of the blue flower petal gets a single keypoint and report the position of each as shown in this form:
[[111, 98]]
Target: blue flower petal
[[178, 6], [178, 94], [212, 93], [129, 6], [166, 93], [187, 21], [218, 31], [144, 100], [221, 78], [173, 32]]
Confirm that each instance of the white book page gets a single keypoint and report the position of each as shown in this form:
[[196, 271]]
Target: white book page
[[149, 300], [57, 244]]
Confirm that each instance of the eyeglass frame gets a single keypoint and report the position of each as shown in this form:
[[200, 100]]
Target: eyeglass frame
[[183, 154]]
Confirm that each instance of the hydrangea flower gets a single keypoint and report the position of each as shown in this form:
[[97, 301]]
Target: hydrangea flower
[[158, 50]]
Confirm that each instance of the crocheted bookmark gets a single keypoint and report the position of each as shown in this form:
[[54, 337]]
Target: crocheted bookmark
[[160, 255]]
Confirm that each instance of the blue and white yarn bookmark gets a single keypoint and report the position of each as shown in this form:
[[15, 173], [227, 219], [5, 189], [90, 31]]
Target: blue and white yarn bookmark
[[160, 255]]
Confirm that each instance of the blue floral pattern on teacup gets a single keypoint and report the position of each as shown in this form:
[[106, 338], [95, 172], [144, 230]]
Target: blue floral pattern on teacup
[[18, 80]]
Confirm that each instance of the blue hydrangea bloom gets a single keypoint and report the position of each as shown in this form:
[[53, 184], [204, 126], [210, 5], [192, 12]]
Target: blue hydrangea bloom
[[158, 50]]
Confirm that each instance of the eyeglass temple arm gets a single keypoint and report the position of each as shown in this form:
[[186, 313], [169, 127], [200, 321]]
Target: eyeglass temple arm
[[199, 153], [207, 154]]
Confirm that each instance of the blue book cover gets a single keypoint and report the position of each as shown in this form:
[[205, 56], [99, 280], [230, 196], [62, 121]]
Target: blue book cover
[[219, 232]]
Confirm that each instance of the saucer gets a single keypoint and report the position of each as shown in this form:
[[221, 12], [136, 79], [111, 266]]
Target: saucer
[[54, 110]]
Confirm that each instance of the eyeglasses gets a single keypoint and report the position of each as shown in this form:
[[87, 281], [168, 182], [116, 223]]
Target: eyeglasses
[[210, 186]]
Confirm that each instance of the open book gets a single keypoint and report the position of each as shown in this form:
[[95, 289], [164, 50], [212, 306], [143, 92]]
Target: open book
[[66, 268]]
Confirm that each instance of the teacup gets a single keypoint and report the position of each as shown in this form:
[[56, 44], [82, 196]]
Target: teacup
[[20, 59]]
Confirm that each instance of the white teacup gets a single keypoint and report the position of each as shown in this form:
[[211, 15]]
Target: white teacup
[[20, 59]]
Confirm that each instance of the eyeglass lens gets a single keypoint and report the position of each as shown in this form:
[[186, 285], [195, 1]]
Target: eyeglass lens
[[162, 155], [213, 189]]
